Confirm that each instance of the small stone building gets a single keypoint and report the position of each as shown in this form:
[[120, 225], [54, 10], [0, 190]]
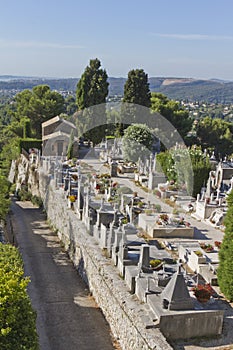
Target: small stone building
[[56, 136]]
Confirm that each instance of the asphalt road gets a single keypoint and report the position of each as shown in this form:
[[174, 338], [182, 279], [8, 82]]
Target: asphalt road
[[67, 316]]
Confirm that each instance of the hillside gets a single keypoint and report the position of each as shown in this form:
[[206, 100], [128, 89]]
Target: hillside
[[216, 91]]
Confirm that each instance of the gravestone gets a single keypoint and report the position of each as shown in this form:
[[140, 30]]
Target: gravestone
[[113, 169], [144, 260], [175, 295]]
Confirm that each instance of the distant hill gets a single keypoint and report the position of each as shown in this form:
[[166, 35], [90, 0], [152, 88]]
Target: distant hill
[[199, 90], [22, 83], [214, 90]]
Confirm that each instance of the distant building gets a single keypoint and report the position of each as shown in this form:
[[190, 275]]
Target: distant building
[[56, 136]]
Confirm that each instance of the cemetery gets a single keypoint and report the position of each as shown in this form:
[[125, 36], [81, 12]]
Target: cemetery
[[136, 238], [154, 252]]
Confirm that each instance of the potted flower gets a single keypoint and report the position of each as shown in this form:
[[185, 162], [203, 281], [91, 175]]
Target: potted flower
[[181, 222], [217, 244], [198, 253], [156, 263], [207, 247], [203, 292], [72, 198], [164, 217]]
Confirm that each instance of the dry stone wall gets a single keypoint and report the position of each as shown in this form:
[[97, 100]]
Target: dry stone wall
[[131, 321]]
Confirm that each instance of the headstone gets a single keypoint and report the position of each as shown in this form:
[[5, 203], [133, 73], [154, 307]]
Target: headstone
[[175, 295], [113, 169], [116, 245], [144, 260], [66, 183]]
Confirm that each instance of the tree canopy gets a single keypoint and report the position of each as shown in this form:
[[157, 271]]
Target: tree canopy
[[172, 111], [136, 88], [216, 134], [174, 165], [92, 88], [38, 105], [137, 142]]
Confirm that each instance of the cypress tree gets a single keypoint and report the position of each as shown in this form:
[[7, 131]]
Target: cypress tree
[[92, 90], [136, 89]]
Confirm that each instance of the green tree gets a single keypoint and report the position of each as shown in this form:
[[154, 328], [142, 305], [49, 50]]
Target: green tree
[[17, 318], [165, 163], [4, 197], [70, 146], [136, 95], [216, 134], [225, 276], [201, 169], [172, 111], [92, 90], [38, 105], [136, 88], [174, 165], [137, 142], [70, 105]]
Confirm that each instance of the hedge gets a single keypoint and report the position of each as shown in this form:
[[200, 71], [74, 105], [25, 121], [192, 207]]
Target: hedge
[[17, 318], [29, 143]]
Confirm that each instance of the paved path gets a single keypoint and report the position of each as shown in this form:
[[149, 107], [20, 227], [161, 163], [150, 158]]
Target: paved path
[[67, 317]]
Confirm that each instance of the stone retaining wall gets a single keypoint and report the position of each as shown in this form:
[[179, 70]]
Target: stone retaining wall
[[131, 322]]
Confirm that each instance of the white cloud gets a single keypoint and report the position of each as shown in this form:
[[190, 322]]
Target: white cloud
[[193, 36], [36, 44]]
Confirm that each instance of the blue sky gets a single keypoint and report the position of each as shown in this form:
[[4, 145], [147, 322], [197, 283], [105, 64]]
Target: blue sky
[[177, 38]]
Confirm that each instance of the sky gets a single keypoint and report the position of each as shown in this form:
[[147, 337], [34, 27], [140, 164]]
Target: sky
[[171, 38]]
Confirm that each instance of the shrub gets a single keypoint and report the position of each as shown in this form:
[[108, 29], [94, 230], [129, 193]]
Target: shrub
[[225, 276], [157, 207], [29, 143], [37, 201], [24, 195], [17, 318]]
